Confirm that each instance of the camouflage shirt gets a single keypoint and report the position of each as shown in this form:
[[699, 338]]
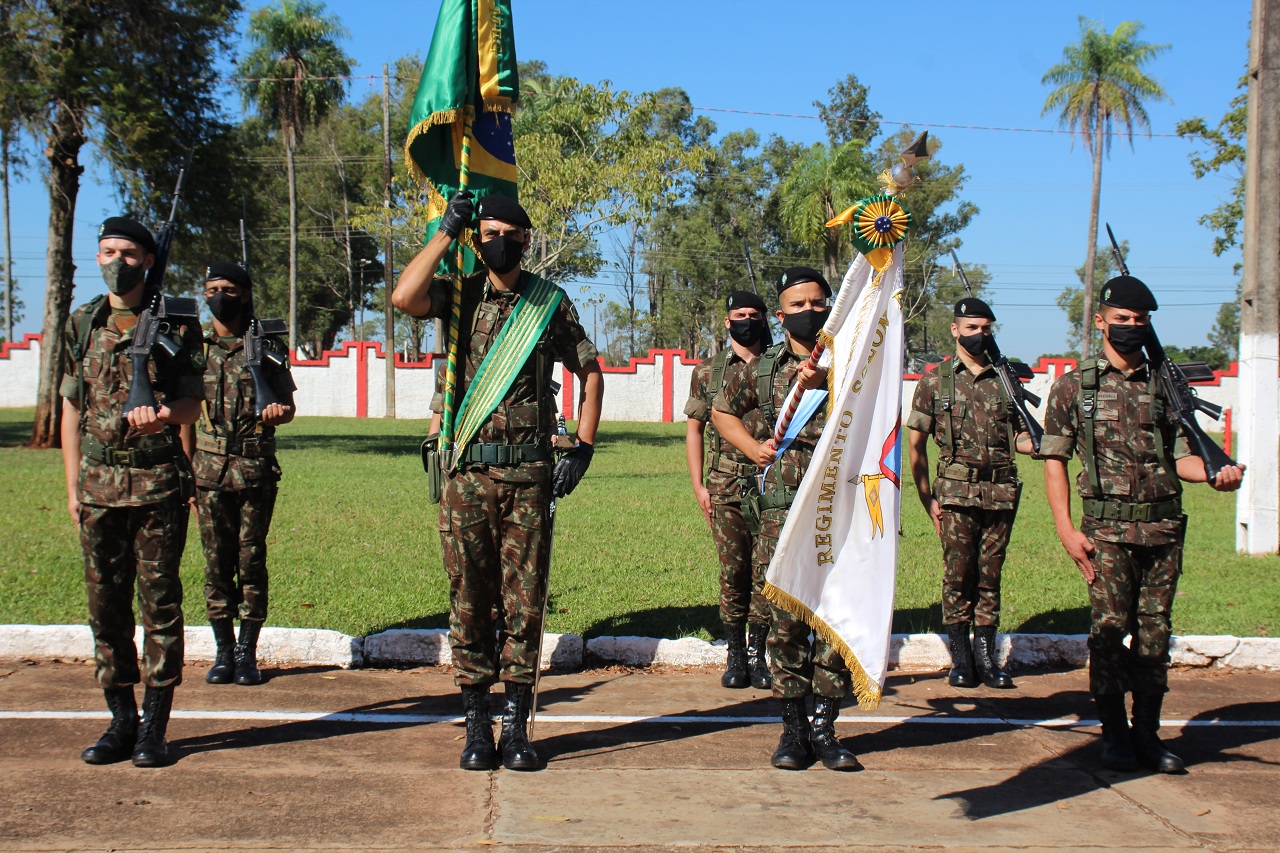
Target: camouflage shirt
[[228, 418], [725, 465], [979, 431], [99, 383], [1124, 437], [516, 419], [739, 397]]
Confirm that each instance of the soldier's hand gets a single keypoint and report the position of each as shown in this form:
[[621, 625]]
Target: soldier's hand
[[148, 421], [275, 414], [1079, 548], [73, 509], [569, 470], [1229, 478], [765, 452], [704, 501], [458, 214], [808, 377], [935, 513]]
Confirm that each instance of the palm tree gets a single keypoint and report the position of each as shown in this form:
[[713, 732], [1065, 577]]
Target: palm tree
[[823, 182], [293, 78], [1100, 83]]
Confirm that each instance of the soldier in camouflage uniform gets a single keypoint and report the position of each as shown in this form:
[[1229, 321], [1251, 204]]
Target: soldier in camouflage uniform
[[1129, 545], [728, 478], [127, 492], [233, 453], [974, 499], [745, 412], [495, 508]]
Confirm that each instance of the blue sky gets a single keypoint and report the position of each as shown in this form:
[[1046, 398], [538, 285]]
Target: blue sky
[[974, 63]]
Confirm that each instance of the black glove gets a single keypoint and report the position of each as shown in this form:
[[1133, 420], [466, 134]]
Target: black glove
[[570, 468], [458, 214]]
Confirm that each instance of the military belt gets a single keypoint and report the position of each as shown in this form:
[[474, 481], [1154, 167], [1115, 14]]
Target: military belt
[[1128, 511], [504, 454], [249, 448], [741, 470], [777, 499], [988, 474], [127, 457]]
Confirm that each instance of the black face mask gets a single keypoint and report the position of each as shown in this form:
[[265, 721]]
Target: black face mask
[[121, 277], [1126, 340], [502, 253], [975, 345], [225, 307], [805, 325], [747, 331]]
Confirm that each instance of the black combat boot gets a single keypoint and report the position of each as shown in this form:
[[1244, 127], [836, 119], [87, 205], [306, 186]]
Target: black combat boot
[[517, 752], [1146, 722], [984, 658], [224, 634], [479, 753], [756, 659], [116, 743], [961, 656], [1117, 750], [247, 653], [735, 670], [151, 749], [823, 738], [794, 751]]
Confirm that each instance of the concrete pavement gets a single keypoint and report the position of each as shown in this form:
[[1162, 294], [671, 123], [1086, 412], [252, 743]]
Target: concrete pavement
[[321, 758]]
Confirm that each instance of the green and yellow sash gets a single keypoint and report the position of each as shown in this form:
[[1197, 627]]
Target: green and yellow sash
[[534, 309]]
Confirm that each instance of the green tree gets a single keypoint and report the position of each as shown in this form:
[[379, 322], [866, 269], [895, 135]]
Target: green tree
[[823, 182], [847, 116], [133, 80], [1100, 84], [292, 77]]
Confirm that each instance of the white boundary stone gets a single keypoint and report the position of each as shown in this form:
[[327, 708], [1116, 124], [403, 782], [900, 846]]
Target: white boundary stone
[[430, 647]]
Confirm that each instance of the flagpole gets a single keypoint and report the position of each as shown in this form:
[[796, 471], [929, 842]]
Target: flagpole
[[455, 317]]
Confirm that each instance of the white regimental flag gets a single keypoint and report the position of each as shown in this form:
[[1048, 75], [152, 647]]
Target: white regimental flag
[[836, 561]]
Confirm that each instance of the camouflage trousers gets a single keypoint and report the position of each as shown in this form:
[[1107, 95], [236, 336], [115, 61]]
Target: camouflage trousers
[[1132, 595], [126, 547], [800, 665], [495, 536], [741, 579], [973, 548], [233, 530]]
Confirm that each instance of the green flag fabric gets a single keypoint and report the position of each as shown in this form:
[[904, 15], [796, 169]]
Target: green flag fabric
[[470, 74]]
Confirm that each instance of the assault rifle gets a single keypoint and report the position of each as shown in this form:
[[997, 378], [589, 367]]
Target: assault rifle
[[1180, 398], [258, 352], [161, 318], [1011, 375]]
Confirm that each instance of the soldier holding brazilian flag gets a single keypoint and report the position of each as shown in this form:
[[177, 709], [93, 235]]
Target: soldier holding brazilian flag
[[493, 462]]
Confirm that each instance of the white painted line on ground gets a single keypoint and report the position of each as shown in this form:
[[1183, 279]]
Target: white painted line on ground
[[382, 718]]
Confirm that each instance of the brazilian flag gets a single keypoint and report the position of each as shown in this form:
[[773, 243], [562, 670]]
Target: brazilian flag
[[470, 76]]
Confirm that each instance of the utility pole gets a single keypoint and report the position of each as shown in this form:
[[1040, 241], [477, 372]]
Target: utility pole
[[1258, 502], [388, 252]]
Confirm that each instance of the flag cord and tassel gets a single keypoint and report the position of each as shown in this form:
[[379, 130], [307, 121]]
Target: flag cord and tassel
[[448, 452]]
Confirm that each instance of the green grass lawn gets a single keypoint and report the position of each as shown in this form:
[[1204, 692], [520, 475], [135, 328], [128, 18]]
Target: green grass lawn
[[354, 545]]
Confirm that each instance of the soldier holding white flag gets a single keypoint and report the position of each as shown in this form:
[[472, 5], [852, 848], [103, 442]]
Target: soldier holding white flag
[[745, 412]]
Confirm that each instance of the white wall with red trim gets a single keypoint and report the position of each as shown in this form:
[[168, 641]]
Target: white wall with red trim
[[351, 382]]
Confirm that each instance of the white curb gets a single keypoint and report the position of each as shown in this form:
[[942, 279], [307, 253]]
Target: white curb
[[430, 647]]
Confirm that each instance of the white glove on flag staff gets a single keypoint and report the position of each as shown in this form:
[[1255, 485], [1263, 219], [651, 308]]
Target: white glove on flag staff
[[836, 562]]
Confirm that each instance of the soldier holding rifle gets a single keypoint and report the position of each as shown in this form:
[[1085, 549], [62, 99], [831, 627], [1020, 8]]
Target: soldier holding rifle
[[499, 478], [128, 481], [248, 393], [965, 407], [1118, 414]]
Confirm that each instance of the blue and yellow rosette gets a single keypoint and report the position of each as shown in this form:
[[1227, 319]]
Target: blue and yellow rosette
[[879, 223]]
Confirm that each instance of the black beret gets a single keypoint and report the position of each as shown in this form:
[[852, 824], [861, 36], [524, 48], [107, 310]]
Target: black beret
[[971, 307], [505, 208], [799, 275], [228, 271], [1125, 291], [129, 229], [743, 299]]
